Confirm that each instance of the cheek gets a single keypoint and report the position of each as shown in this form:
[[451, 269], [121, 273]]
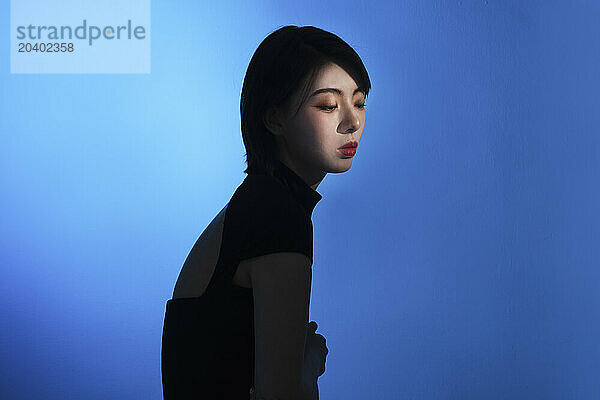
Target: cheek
[[315, 129]]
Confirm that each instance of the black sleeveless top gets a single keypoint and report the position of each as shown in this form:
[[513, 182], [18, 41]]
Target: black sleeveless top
[[208, 341]]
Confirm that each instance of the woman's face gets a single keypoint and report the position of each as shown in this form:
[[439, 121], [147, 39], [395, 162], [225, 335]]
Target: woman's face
[[331, 116]]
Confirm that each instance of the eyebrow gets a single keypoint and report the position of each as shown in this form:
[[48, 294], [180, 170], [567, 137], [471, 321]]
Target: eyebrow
[[335, 91]]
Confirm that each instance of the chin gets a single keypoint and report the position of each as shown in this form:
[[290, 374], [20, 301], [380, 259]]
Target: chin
[[341, 165]]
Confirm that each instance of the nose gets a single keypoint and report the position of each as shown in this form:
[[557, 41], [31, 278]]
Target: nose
[[351, 121]]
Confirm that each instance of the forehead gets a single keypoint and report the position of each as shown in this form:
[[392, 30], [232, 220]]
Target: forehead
[[333, 76]]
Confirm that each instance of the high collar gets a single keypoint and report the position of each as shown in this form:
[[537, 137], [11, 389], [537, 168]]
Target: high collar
[[301, 191]]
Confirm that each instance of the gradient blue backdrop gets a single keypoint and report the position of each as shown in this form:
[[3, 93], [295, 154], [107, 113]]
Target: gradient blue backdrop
[[457, 259]]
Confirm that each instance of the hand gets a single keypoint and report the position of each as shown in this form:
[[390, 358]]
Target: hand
[[315, 351], [315, 354]]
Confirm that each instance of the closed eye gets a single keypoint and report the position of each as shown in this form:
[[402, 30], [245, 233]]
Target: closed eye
[[328, 108], [331, 108]]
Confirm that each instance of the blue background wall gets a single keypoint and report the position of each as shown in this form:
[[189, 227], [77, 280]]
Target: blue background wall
[[469, 269]]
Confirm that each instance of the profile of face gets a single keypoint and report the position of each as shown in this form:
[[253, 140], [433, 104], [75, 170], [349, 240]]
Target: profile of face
[[333, 115]]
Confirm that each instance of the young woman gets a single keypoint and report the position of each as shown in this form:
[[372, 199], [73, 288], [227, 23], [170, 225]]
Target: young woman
[[237, 325]]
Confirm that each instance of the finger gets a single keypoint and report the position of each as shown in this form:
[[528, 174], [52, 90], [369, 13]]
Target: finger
[[323, 351], [320, 338]]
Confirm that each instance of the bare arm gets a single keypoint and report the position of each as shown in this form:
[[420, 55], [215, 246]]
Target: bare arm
[[281, 284]]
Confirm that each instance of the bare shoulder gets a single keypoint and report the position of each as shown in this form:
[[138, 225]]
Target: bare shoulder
[[201, 261]]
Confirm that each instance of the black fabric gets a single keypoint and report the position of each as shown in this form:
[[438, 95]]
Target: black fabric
[[208, 341]]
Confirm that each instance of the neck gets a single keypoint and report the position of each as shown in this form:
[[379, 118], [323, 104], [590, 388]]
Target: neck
[[312, 178]]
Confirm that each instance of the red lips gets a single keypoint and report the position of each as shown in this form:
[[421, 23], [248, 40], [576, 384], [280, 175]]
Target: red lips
[[350, 145]]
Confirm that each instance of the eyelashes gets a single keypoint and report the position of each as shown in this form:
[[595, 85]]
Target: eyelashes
[[331, 108]]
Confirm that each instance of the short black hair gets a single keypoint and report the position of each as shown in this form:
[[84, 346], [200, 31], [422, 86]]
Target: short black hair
[[289, 57]]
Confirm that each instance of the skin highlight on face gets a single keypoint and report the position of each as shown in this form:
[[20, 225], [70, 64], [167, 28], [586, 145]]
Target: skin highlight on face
[[332, 115]]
